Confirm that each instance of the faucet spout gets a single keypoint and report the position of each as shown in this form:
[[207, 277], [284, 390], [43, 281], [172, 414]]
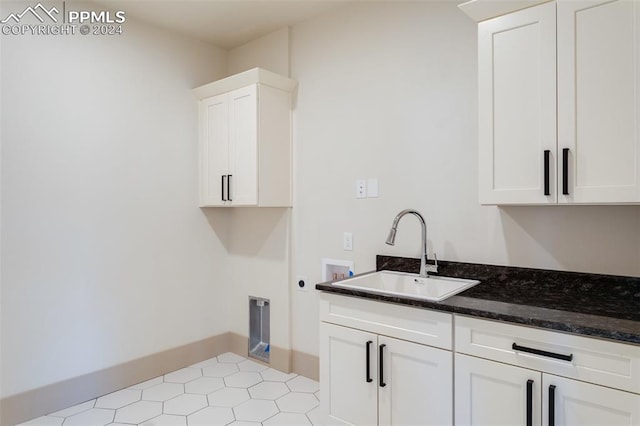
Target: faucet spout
[[423, 255]]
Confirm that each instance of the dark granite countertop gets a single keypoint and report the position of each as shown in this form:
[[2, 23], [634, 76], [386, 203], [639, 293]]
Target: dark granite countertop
[[603, 306]]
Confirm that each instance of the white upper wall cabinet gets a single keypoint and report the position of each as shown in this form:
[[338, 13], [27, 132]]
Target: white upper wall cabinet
[[517, 114], [566, 130], [245, 140], [598, 95]]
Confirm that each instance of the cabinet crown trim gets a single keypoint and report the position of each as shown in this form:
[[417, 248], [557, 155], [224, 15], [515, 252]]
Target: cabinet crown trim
[[243, 79], [481, 10]]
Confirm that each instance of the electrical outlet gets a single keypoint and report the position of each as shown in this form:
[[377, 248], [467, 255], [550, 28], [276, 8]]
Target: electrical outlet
[[302, 284], [361, 188], [347, 241]]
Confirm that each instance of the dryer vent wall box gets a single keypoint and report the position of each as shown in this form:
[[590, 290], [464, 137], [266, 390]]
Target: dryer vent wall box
[[259, 328]]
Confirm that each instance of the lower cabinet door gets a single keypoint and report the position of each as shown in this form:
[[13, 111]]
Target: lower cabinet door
[[415, 384], [570, 402], [348, 389], [492, 393]]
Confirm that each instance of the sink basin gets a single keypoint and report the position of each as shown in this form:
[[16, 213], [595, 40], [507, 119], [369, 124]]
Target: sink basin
[[433, 288]]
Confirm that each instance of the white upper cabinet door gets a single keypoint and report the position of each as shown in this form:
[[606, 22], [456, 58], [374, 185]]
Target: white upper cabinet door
[[490, 393], [573, 403], [349, 388], [517, 107], [598, 95], [418, 384], [243, 146], [214, 149]]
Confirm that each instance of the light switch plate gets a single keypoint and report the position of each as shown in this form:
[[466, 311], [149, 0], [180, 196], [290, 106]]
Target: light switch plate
[[372, 188]]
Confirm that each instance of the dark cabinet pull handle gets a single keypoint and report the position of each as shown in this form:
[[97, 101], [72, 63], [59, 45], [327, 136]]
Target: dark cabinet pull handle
[[229, 188], [529, 402], [222, 189], [565, 171], [552, 405], [369, 379], [381, 361], [547, 153], [517, 347]]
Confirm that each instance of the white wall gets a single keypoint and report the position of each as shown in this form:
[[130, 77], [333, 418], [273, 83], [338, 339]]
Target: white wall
[[259, 240], [388, 90], [106, 257], [258, 263], [270, 52]]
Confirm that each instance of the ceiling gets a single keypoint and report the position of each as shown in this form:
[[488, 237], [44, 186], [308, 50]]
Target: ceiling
[[225, 23]]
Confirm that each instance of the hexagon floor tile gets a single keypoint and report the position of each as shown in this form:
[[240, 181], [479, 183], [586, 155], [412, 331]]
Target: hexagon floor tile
[[315, 416], [288, 419], [204, 385], [268, 390], [243, 379], [119, 399], [147, 384], [249, 365], [255, 410], [94, 416], [163, 392], [183, 376], [297, 402], [228, 397], [186, 404], [220, 370], [272, 375], [166, 420], [224, 390], [139, 412], [302, 384], [211, 416]]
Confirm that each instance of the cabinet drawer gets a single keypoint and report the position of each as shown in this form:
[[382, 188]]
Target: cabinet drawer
[[404, 322], [597, 361]]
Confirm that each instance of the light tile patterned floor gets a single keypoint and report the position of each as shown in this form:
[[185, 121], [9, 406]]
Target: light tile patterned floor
[[225, 390]]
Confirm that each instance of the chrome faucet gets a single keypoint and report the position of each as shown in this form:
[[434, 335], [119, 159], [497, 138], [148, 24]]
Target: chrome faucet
[[391, 240]]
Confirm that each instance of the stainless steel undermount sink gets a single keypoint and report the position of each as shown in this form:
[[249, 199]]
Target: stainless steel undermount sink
[[432, 288]]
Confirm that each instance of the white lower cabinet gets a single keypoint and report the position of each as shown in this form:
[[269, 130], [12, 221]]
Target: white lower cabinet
[[371, 379], [505, 377], [387, 364], [570, 402], [349, 389], [491, 393], [417, 384]]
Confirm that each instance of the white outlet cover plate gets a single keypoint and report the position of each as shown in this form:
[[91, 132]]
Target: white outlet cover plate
[[347, 241], [361, 188]]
